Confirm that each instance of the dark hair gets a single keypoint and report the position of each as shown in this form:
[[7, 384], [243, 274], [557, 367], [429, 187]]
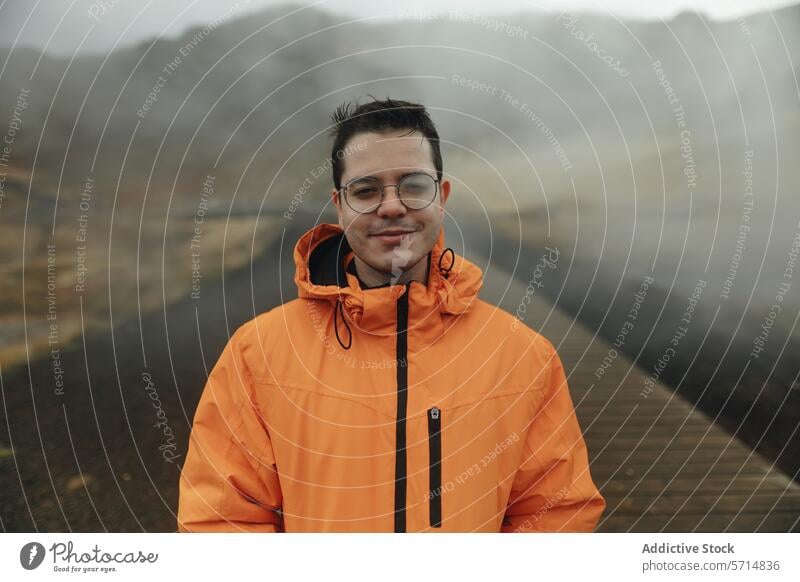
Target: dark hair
[[388, 114]]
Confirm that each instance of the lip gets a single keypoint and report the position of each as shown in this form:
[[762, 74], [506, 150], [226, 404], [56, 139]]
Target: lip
[[392, 236]]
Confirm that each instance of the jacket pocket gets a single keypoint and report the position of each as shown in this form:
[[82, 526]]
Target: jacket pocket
[[435, 467]]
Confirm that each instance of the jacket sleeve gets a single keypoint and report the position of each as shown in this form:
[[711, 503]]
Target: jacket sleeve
[[229, 481], [553, 490]]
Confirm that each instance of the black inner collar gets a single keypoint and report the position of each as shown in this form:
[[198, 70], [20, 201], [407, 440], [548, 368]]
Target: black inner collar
[[351, 268]]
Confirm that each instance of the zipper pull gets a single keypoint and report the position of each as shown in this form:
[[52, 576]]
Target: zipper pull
[[434, 412]]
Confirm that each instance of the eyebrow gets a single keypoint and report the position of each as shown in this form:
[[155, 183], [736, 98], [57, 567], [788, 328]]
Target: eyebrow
[[419, 171]]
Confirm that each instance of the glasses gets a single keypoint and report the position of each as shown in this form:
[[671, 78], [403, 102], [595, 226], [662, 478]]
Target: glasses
[[415, 192]]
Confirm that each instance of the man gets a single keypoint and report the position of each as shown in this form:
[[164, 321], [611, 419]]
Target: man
[[387, 397]]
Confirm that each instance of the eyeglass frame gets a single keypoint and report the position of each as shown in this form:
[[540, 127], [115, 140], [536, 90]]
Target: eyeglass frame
[[343, 191]]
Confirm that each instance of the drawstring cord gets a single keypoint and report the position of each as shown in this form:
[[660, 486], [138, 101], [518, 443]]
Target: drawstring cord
[[339, 310], [445, 271]]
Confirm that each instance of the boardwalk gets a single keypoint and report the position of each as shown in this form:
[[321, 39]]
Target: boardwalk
[[661, 464]]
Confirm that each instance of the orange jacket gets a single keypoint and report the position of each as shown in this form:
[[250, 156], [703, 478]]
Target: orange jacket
[[394, 408]]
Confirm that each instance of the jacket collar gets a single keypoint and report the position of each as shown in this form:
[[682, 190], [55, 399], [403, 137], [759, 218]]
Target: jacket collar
[[323, 254]]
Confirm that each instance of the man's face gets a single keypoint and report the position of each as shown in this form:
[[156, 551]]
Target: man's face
[[388, 156]]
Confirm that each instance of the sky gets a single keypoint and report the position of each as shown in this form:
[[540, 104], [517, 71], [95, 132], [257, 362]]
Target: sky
[[649, 9], [60, 25]]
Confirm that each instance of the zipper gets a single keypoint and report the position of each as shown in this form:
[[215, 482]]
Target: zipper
[[400, 467], [435, 468]]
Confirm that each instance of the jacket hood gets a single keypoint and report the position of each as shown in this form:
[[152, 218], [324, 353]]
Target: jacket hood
[[322, 256]]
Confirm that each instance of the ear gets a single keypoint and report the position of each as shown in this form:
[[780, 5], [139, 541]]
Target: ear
[[444, 193], [337, 202]]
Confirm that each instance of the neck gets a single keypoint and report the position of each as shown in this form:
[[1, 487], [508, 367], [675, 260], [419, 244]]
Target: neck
[[374, 278]]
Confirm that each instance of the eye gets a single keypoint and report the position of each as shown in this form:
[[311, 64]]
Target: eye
[[365, 190], [417, 183]]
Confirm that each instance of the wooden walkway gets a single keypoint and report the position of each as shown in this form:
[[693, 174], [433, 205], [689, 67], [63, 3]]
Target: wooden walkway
[[661, 464]]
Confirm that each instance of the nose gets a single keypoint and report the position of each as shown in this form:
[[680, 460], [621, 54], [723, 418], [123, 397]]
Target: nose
[[391, 205]]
